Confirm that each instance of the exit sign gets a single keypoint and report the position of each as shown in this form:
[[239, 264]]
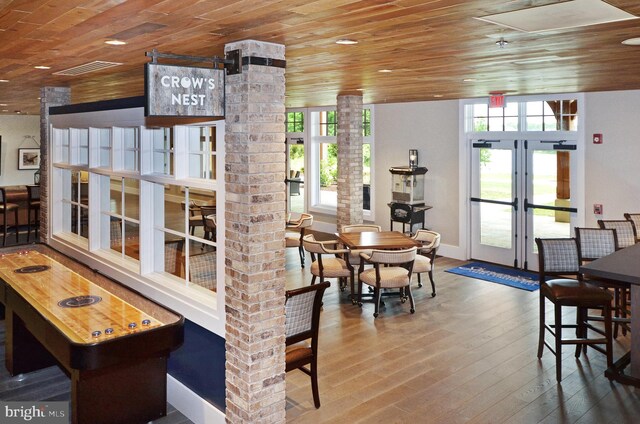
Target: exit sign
[[496, 101]]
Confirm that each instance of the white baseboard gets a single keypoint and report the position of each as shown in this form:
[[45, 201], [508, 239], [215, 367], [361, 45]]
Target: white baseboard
[[191, 405], [454, 252]]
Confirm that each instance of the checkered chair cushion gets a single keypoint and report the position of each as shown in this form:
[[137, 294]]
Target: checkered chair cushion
[[560, 255], [298, 313], [202, 270], [635, 218], [596, 242], [624, 230], [172, 256]]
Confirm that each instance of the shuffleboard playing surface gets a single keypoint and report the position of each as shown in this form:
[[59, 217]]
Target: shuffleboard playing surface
[[64, 297]]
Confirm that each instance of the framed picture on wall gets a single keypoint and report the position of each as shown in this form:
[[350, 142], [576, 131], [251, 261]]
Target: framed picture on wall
[[29, 158]]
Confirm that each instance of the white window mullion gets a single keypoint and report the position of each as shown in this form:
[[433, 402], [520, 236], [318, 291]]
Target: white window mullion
[[181, 149]]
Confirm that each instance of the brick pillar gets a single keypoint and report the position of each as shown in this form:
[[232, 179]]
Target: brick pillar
[[49, 96], [349, 209], [255, 249]]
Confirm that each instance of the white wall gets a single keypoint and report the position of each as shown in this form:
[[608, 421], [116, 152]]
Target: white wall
[[612, 169], [13, 129], [432, 128]]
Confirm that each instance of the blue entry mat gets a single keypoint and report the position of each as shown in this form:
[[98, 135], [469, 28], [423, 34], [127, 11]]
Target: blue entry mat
[[524, 280]]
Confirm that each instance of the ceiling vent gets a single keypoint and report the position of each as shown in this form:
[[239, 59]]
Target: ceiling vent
[[97, 65], [568, 14]]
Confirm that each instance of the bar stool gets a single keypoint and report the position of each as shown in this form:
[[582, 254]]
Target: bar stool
[[561, 257], [33, 192], [6, 208]]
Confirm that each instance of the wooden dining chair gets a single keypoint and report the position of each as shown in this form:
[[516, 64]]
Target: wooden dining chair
[[302, 322], [209, 221], [595, 243], [426, 258], [391, 270], [561, 257], [295, 231], [329, 262], [635, 219], [173, 261], [6, 209], [625, 231]]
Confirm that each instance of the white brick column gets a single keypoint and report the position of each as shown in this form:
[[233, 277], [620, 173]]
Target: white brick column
[[255, 225], [49, 96], [349, 209]]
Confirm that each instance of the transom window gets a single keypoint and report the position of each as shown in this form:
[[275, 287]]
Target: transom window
[[540, 115]]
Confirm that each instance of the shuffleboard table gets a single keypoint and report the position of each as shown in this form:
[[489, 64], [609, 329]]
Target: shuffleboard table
[[113, 343]]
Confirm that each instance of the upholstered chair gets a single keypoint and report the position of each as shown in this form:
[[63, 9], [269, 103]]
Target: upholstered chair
[[425, 260], [295, 231]]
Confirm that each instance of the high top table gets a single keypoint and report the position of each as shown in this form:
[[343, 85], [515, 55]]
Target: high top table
[[623, 266]]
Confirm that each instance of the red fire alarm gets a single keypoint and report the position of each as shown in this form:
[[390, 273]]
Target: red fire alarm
[[597, 139]]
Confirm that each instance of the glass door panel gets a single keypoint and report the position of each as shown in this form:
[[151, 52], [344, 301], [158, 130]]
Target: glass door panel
[[493, 201], [548, 207]]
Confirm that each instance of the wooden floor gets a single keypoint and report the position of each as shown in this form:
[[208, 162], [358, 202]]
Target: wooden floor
[[467, 355]]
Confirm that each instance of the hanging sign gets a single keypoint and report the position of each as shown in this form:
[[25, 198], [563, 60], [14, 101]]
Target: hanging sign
[[183, 91], [496, 100]]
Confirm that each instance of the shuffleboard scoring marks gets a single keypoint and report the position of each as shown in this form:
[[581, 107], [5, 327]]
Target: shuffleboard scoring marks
[[79, 301], [31, 269]]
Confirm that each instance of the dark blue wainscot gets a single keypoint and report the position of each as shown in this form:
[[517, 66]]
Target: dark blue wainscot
[[199, 364]]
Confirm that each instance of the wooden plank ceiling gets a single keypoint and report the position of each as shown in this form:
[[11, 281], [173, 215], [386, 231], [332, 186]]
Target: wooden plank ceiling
[[431, 46]]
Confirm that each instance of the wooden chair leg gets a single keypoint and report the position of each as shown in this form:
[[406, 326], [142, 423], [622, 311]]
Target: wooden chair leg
[[433, 284], [353, 295], [377, 294], [359, 292], [558, 331], [413, 306], [581, 330], [16, 226], [542, 324], [314, 382], [616, 310], [301, 252], [4, 229], [419, 281], [28, 223]]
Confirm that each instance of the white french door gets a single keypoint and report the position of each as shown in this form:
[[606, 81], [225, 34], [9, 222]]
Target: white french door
[[520, 190]]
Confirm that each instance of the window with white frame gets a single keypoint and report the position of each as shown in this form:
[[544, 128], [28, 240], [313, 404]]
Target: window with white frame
[[539, 115], [324, 159], [168, 176]]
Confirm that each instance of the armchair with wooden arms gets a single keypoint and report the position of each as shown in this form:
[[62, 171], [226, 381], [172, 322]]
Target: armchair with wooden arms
[[391, 270], [302, 322], [425, 260], [328, 262], [296, 231]]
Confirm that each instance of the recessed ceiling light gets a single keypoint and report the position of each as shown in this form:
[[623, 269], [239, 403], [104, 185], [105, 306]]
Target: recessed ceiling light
[[437, 95], [18, 112], [3, 104], [5, 110], [632, 41], [42, 67], [1, 80], [359, 89], [386, 71], [115, 42], [346, 41], [469, 80]]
